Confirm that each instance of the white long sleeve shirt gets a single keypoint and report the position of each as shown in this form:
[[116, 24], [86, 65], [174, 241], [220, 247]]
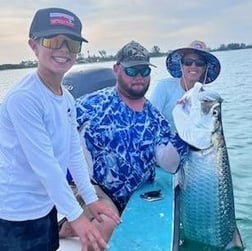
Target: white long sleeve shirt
[[38, 142]]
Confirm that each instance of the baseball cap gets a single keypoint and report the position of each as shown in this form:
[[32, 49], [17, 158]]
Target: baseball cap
[[133, 54], [54, 21]]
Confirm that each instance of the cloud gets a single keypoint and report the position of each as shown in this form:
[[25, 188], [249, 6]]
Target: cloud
[[109, 24]]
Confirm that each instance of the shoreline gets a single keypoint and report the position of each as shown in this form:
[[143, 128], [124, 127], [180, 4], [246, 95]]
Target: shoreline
[[81, 60]]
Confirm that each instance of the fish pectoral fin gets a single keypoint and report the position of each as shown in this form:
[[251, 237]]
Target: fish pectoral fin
[[236, 241]]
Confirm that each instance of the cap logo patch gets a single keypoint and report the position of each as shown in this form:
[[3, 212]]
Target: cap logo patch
[[61, 19]]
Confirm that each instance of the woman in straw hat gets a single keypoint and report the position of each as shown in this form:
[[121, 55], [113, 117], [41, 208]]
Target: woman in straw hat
[[187, 66]]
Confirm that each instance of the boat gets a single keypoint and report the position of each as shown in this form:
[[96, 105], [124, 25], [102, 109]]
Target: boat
[[150, 221]]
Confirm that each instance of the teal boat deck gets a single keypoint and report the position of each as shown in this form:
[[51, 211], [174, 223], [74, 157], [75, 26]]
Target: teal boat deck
[[147, 226]]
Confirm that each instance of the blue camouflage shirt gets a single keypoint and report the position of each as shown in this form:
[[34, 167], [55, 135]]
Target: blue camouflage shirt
[[122, 142]]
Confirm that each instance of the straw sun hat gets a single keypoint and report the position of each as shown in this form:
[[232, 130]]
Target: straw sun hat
[[173, 61]]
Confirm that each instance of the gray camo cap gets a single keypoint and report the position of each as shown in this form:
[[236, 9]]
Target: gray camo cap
[[133, 54]]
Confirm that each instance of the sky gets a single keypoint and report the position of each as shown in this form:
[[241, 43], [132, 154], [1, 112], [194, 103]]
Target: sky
[[110, 24]]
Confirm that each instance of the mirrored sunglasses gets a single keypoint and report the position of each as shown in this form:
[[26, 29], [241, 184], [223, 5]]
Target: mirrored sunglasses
[[190, 61], [133, 71], [56, 42]]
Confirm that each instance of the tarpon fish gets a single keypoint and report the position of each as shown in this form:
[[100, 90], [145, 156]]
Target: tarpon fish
[[207, 200]]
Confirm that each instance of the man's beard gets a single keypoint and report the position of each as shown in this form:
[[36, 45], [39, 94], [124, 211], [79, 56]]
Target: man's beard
[[131, 92]]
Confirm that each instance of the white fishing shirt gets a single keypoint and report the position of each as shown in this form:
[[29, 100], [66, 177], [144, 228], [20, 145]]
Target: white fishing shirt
[[38, 142]]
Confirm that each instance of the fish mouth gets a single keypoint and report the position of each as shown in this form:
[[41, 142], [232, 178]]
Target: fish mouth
[[209, 106], [210, 102], [209, 96]]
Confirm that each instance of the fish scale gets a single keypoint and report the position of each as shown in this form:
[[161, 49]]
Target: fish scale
[[200, 210]]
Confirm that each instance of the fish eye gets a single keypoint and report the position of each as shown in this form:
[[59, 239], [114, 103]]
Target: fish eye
[[215, 113]]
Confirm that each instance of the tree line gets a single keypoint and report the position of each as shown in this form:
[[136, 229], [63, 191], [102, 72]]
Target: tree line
[[102, 56]]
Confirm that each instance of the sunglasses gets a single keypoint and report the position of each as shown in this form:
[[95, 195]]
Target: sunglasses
[[133, 71], [190, 61], [56, 42]]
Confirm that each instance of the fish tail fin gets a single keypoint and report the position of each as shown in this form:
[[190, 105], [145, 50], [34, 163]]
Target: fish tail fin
[[236, 241]]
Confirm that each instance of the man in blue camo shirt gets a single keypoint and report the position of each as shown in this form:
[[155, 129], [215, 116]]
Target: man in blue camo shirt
[[124, 136]]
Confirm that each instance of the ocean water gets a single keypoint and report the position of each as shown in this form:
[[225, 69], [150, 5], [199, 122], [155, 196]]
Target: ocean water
[[234, 84]]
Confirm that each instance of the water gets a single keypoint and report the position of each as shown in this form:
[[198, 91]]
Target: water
[[234, 85]]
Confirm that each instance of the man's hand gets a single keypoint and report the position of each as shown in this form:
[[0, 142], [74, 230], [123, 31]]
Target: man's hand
[[99, 207]]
